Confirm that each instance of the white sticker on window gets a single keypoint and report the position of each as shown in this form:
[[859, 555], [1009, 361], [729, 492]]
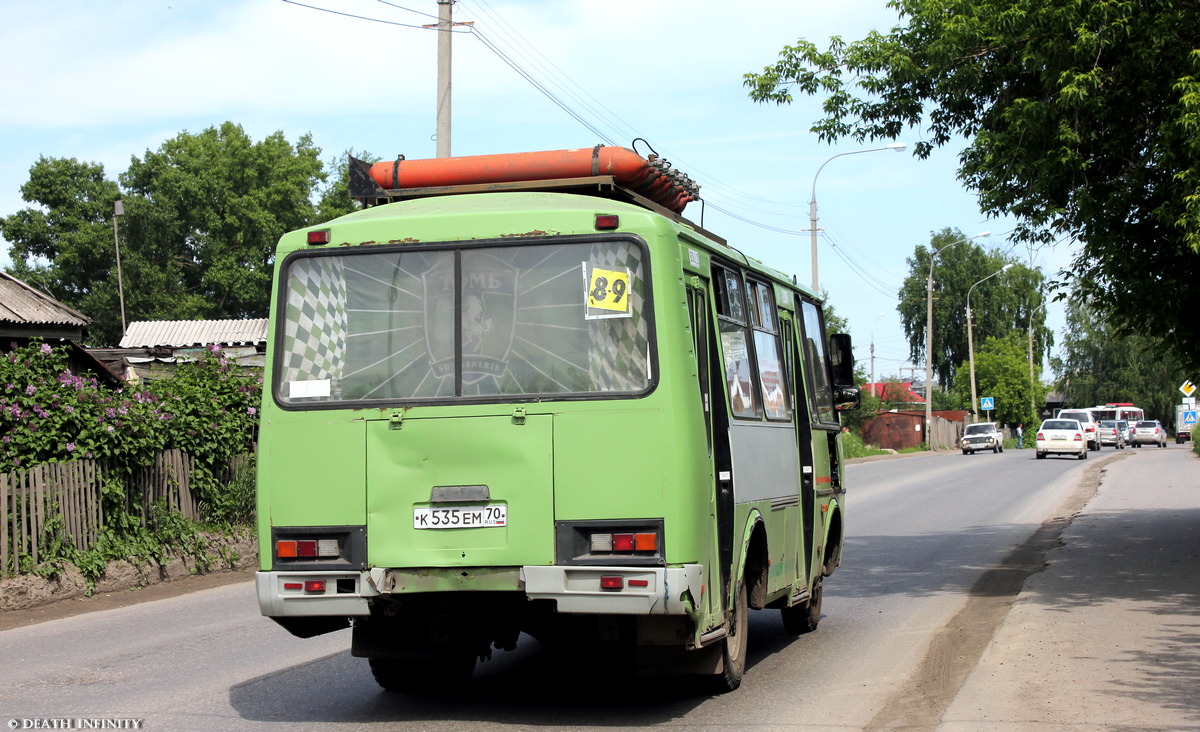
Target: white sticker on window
[[308, 389]]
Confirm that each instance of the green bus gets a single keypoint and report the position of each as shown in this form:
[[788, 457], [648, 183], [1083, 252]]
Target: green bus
[[501, 403]]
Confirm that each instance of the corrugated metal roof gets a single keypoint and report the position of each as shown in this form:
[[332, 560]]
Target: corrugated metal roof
[[185, 333], [20, 303]]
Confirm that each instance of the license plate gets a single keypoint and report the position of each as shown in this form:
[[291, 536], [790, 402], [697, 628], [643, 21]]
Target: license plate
[[461, 517], [1059, 438]]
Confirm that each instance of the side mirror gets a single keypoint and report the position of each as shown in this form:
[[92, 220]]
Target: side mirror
[[846, 395], [847, 398]]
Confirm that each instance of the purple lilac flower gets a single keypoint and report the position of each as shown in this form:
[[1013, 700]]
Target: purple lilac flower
[[46, 348], [30, 390], [70, 447], [251, 411]]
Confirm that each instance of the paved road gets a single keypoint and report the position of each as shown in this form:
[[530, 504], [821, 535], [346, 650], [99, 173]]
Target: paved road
[[936, 543]]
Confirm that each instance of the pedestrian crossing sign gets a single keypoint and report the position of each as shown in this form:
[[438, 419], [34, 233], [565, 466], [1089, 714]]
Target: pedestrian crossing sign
[[987, 403], [1189, 418]]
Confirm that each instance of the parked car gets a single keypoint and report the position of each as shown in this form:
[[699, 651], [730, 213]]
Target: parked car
[[1149, 432], [1061, 437], [982, 436], [1087, 421], [1112, 434]]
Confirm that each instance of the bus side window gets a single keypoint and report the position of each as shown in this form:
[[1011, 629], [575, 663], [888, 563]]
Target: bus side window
[[740, 376], [766, 351]]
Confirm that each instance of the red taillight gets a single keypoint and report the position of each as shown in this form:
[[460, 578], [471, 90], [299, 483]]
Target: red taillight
[[314, 585], [1041, 437], [318, 237], [612, 582], [639, 583], [1078, 437], [293, 585], [607, 222], [623, 542]]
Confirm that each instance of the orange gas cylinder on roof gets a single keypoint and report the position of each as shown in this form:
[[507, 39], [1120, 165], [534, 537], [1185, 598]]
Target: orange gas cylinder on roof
[[649, 178]]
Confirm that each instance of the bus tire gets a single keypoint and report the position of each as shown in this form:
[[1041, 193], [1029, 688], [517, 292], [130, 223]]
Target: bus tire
[[803, 617], [446, 670], [733, 648]]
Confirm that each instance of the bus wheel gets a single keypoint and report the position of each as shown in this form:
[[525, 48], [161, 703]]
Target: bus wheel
[[446, 670], [803, 617], [733, 651]]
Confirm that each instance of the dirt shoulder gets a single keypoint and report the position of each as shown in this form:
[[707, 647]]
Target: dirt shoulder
[[28, 599]]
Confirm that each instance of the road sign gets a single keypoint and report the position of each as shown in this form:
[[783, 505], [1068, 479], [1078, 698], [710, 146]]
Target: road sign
[[987, 403], [1188, 388], [1189, 417]]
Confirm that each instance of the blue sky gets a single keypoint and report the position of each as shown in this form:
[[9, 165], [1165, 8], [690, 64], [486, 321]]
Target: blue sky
[[104, 82]]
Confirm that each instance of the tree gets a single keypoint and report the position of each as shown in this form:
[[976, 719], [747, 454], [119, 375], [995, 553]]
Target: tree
[[999, 305], [220, 202], [65, 245], [1082, 120], [1002, 372], [201, 219], [1101, 365]]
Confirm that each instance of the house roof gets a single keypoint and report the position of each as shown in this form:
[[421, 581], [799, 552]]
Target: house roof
[[24, 307], [894, 391], [190, 333]]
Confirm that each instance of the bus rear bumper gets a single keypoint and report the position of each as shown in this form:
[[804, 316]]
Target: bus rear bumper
[[300, 594], [617, 590]]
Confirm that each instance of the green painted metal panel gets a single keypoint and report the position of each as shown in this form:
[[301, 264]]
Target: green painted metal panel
[[514, 461]]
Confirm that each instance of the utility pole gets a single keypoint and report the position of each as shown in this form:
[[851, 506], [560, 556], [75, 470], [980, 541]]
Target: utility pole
[[444, 25]]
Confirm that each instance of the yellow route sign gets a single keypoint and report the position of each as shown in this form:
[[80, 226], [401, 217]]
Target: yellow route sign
[[1188, 388]]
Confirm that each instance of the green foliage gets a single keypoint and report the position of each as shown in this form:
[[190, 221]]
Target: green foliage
[[1004, 303], [201, 218], [48, 414], [208, 408], [1101, 364], [1002, 372], [1082, 120]]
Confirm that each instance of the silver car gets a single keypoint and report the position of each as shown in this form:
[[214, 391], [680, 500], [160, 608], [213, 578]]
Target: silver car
[[1149, 432], [1111, 433]]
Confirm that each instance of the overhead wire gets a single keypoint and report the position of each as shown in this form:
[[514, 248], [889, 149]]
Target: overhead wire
[[563, 93]]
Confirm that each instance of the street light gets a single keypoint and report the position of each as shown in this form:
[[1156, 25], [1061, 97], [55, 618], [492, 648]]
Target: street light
[[812, 203], [971, 339], [118, 210], [929, 332]]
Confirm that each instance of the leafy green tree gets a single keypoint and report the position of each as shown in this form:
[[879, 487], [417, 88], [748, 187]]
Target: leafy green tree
[[64, 245], [1004, 303], [1002, 372], [201, 218], [1081, 120], [221, 201], [1102, 365]]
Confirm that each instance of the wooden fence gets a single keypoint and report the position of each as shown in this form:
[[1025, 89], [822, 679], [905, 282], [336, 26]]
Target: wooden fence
[[32, 500]]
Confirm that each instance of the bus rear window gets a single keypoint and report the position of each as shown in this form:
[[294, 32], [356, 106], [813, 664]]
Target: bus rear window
[[496, 322]]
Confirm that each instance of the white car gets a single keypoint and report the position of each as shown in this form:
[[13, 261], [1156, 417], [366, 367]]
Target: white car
[[1087, 421], [1149, 432], [982, 436], [1061, 437]]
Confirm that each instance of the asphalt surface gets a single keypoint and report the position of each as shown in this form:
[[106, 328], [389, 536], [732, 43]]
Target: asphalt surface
[[1107, 637]]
